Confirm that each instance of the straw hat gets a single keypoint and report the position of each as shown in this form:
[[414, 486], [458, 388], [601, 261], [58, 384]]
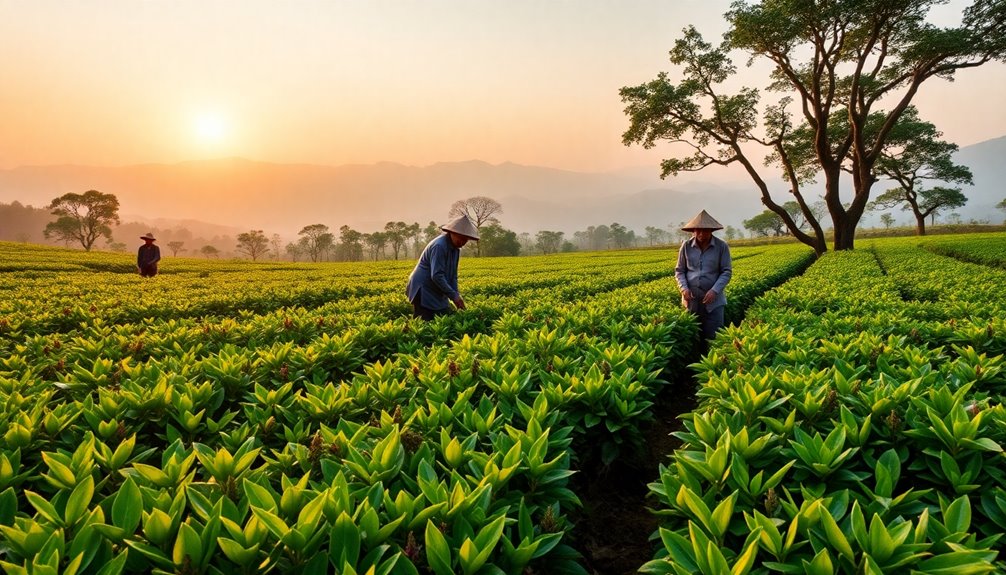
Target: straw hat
[[462, 225], [149, 236], [703, 221]]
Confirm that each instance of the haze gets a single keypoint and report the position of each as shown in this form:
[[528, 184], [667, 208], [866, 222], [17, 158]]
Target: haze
[[114, 83]]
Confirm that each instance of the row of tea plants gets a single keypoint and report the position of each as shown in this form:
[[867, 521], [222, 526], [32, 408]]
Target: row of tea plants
[[296, 419], [852, 424]]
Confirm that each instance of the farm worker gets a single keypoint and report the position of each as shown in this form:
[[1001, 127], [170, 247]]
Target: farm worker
[[147, 256], [433, 284], [702, 273]]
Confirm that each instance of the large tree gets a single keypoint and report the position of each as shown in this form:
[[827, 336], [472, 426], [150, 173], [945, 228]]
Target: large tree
[[914, 154], [253, 244], [480, 210], [844, 57], [83, 217], [315, 241]]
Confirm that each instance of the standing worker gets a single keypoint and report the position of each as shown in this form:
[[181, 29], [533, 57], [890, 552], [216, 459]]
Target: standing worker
[[703, 271], [433, 284], [147, 256]]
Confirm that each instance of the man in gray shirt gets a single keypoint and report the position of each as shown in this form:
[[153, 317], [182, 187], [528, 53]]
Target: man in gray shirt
[[433, 284], [703, 271]]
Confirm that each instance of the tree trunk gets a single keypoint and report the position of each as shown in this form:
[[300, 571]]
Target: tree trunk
[[845, 234], [920, 225]]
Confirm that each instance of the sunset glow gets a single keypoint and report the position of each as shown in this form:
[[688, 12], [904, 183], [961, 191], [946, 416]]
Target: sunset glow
[[365, 81]]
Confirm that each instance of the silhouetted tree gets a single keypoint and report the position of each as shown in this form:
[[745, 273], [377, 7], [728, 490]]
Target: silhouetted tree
[[396, 234], [175, 247], [886, 219], [253, 244], [295, 251], [315, 240], [376, 242], [209, 251], [83, 217], [1002, 205], [350, 244]]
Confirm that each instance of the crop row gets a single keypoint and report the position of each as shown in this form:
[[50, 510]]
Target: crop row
[[391, 446], [848, 426]]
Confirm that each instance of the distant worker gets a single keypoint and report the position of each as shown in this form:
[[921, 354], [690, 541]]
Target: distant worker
[[147, 256], [703, 271], [433, 284]]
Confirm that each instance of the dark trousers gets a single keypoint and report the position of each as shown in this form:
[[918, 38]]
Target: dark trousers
[[148, 271], [424, 312], [709, 321]]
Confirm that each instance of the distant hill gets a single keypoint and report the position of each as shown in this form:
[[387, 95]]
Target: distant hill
[[283, 198], [223, 196]]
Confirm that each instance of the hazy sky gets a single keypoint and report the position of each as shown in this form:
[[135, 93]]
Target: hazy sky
[[116, 82]]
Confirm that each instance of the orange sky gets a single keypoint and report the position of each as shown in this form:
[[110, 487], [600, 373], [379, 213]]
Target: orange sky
[[116, 82]]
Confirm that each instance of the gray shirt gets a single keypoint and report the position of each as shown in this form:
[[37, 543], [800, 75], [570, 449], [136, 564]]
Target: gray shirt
[[700, 271], [435, 277]]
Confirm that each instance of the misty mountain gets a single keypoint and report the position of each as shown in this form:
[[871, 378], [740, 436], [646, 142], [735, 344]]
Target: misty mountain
[[237, 194]]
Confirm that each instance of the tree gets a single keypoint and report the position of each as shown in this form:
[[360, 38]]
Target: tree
[[1002, 205], [765, 223], [253, 243], [83, 217], [277, 243], [655, 235], [913, 154], [731, 233], [498, 241], [376, 242], [886, 219], [315, 240], [209, 251], [175, 247], [479, 209], [922, 203], [350, 244], [295, 251], [548, 242], [837, 59], [397, 233]]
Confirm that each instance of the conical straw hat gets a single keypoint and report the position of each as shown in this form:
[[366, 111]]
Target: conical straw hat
[[462, 225], [703, 221]]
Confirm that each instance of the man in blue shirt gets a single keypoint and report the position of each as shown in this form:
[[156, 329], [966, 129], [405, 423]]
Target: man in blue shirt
[[703, 271], [433, 284]]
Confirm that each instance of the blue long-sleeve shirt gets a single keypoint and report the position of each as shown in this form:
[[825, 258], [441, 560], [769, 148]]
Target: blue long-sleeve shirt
[[700, 271], [435, 277]]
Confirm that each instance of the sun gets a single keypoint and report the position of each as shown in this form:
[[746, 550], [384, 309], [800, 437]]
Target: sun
[[210, 128]]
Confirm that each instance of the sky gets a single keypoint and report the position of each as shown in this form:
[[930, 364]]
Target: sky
[[333, 82]]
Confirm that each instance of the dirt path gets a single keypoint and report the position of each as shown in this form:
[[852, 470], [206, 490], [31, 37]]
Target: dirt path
[[614, 531]]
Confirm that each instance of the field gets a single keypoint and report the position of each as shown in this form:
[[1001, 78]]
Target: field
[[239, 417]]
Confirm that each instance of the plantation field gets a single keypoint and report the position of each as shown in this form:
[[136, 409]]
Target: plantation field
[[240, 417]]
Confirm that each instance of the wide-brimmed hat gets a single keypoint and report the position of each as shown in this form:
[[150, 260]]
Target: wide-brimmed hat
[[149, 236], [462, 225], [703, 221]]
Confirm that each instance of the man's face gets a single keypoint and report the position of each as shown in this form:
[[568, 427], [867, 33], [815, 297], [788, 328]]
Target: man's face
[[703, 236], [458, 240]]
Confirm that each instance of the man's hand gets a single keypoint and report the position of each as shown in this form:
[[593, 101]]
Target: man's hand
[[709, 297], [686, 294], [459, 302]]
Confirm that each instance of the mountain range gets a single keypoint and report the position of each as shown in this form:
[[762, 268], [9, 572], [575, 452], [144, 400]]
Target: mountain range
[[241, 194]]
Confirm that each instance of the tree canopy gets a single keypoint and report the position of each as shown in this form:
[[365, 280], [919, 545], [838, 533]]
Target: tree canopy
[[861, 60], [83, 217]]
